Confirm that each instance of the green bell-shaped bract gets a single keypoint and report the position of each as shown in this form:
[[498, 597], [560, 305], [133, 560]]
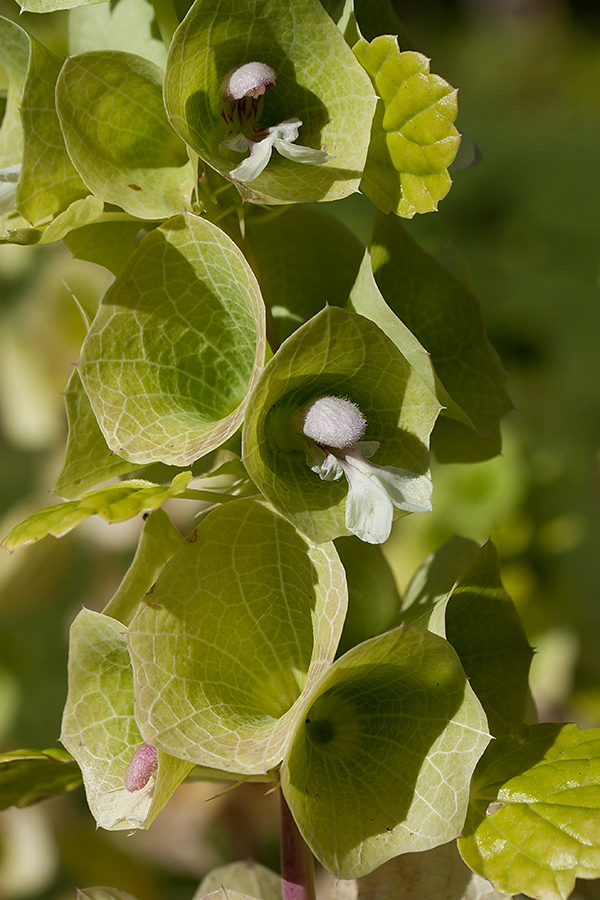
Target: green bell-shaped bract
[[342, 354], [176, 346], [381, 764], [240, 626], [318, 81], [100, 731]]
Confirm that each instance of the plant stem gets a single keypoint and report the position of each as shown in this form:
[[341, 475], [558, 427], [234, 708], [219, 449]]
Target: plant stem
[[166, 19], [297, 864]]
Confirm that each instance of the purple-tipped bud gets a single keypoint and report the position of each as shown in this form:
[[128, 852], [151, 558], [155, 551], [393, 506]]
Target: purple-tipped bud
[[250, 80], [333, 422], [141, 768]]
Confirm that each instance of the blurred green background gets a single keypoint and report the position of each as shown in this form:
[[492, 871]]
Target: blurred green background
[[526, 222]]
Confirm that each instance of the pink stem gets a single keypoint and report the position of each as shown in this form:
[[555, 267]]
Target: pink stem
[[297, 864]]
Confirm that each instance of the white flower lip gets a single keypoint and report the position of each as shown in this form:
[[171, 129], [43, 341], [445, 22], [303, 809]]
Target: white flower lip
[[241, 99], [333, 428]]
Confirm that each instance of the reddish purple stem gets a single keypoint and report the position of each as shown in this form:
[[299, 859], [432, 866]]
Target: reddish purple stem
[[297, 864]]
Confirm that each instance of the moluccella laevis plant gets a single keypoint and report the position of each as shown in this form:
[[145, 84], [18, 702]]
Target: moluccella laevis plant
[[298, 381]]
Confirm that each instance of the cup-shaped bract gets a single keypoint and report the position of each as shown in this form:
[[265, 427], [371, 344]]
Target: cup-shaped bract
[[318, 82], [100, 731], [382, 762], [340, 354], [176, 346], [241, 624]]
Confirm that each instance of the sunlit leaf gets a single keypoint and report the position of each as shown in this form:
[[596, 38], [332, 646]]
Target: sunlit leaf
[[382, 763], [413, 140], [247, 877], [115, 504], [27, 776], [318, 81], [168, 366], [255, 613], [117, 134], [14, 57], [458, 594], [159, 541], [99, 727], [534, 821], [126, 25], [342, 354], [77, 215]]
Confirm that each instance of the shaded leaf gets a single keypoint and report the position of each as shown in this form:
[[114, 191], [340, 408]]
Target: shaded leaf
[[458, 594], [48, 183], [318, 81], [99, 727], [115, 504], [255, 612], [413, 139], [438, 874], [373, 600], [14, 57], [27, 776], [88, 461], [342, 354], [117, 134], [103, 893], [306, 260], [534, 825], [108, 244], [445, 317], [168, 369], [381, 765]]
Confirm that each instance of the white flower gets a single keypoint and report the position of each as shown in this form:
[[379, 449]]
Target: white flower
[[332, 428], [241, 98]]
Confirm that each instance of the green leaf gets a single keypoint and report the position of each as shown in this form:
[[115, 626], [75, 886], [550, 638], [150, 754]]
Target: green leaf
[[413, 139], [446, 318], [117, 134], [342, 354], [247, 878], [48, 182], [380, 18], [318, 81], [381, 765], [103, 893], [108, 244], [453, 441], [46, 6], [14, 56], [255, 613], [168, 368], [77, 215], [306, 259], [115, 504], [126, 25], [373, 600], [159, 541], [88, 461], [438, 874], [27, 776], [534, 822], [99, 727], [458, 594]]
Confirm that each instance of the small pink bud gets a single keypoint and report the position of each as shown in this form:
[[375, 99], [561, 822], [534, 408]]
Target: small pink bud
[[141, 768], [250, 80], [333, 422]]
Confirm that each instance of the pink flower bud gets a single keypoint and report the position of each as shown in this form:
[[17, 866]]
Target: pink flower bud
[[141, 768]]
